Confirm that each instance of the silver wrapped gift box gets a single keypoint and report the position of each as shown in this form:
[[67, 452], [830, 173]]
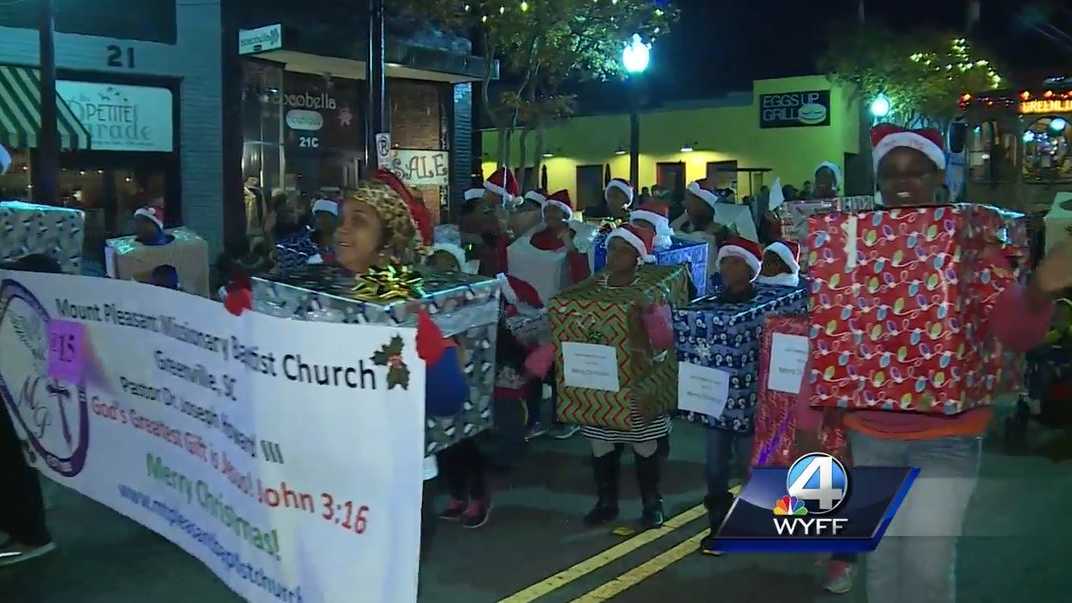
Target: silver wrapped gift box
[[28, 228], [464, 306]]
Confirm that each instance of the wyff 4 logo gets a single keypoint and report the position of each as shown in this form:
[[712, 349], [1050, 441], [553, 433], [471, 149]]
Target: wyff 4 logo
[[816, 484]]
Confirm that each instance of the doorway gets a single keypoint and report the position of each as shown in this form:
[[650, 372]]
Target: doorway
[[589, 186], [670, 177]]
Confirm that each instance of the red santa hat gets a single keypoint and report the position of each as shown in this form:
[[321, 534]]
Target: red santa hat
[[622, 185], [536, 196], [641, 239], [417, 211], [455, 251], [503, 183], [887, 137], [561, 200], [153, 214], [515, 290], [474, 193], [788, 251], [744, 249], [656, 214], [709, 197]]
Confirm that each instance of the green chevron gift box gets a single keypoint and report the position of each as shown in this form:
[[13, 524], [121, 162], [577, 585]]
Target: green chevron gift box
[[605, 366]]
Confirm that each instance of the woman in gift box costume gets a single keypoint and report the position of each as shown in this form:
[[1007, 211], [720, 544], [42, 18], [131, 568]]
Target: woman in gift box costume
[[627, 248], [916, 559]]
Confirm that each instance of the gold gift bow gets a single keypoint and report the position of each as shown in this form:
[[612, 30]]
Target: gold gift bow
[[389, 283]]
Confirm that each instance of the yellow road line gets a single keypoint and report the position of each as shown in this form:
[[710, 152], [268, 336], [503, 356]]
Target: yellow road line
[[612, 554], [608, 556], [643, 571]]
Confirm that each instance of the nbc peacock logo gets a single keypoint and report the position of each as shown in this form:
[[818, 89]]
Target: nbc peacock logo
[[790, 505]]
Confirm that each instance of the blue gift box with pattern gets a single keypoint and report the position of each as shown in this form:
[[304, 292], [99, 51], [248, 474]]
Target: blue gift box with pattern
[[726, 335], [681, 251]]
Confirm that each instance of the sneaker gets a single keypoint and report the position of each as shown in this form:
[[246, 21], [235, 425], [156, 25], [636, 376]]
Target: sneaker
[[12, 552], [707, 546], [477, 513], [564, 432], [839, 576], [455, 509], [535, 431]]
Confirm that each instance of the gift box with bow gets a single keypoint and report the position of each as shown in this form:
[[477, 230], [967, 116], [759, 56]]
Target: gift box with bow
[[726, 336], [899, 306], [463, 306]]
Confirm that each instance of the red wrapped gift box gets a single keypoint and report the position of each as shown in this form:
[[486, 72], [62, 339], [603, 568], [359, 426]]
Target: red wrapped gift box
[[899, 306], [775, 419]]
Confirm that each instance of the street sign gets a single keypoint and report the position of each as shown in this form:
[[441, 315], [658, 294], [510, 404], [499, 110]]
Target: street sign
[[261, 39]]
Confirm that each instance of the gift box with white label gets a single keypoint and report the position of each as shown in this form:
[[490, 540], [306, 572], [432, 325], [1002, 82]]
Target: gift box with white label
[[783, 357], [604, 362], [463, 306], [718, 347]]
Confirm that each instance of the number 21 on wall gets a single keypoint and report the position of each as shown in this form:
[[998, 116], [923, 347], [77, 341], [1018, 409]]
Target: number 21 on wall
[[115, 56]]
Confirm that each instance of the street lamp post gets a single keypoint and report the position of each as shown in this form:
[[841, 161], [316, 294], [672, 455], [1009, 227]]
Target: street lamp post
[[635, 58]]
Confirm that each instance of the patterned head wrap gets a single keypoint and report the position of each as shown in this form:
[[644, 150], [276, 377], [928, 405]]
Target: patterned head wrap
[[400, 242]]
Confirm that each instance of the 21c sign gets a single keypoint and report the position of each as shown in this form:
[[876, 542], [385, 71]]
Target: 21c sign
[[794, 109]]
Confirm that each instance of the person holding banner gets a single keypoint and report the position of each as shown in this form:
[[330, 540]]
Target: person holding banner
[[22, 508]]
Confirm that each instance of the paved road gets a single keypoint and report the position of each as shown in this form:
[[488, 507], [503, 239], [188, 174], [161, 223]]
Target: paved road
[[1019, 540]]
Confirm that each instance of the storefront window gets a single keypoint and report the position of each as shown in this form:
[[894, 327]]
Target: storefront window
[[420, 134], [323, 133], [16, 183], [990, 153], [1046, 150], [262, 156]]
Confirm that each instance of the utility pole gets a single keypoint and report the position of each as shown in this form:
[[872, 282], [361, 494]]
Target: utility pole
[[377, 124], [48, 144]]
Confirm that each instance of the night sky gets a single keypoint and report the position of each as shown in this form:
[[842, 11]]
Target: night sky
[[719, 46]]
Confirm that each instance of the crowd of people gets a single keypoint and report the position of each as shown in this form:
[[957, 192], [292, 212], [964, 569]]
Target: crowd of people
[[536, 245]]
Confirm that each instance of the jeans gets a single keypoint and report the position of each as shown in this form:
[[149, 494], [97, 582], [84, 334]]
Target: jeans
[[916, 560], [724, 446]]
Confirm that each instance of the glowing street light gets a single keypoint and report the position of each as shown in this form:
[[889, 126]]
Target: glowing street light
[[635, 55], [880, 106], [1058, 124], [635, 58]]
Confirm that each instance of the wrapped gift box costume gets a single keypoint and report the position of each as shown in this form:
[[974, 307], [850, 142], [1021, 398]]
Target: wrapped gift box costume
[[28, 228], [129, 259], [540, 258]]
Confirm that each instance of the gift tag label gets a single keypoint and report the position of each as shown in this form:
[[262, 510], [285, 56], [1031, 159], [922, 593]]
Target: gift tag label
[[590, 366], [66, 356], [702, 389], [789, 354]]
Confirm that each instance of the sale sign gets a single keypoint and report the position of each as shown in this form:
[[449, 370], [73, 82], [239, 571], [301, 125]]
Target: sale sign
[[293, 471]]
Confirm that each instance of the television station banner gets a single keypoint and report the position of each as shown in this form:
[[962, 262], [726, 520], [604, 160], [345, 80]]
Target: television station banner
[[274, 451]]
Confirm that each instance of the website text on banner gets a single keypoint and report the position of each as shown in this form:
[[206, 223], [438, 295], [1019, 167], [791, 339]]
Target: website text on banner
[[274, 451]]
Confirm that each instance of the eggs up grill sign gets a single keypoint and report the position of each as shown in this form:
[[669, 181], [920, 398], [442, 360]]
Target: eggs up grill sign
[[794, 109]]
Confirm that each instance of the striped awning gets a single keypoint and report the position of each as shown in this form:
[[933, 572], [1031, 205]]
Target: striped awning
[[20, 114]]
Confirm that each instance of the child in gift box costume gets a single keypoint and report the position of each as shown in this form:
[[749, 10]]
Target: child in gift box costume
[[698, 222], [654, 217], [628, 247], [548, 259], [729, 436], [617, 198], [481, 225], [915, 560], [149, 226], [781, 265]]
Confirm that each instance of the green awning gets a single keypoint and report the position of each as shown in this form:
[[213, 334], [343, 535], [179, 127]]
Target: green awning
[[20, 114]]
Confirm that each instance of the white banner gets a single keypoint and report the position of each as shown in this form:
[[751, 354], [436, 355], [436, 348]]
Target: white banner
[[285, 455]]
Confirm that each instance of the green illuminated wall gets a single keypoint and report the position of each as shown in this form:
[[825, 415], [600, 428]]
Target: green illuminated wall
[[719, 133]]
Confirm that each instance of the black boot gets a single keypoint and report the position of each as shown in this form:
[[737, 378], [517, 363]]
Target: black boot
[[717, 508], [647, 470], [605, 471]]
